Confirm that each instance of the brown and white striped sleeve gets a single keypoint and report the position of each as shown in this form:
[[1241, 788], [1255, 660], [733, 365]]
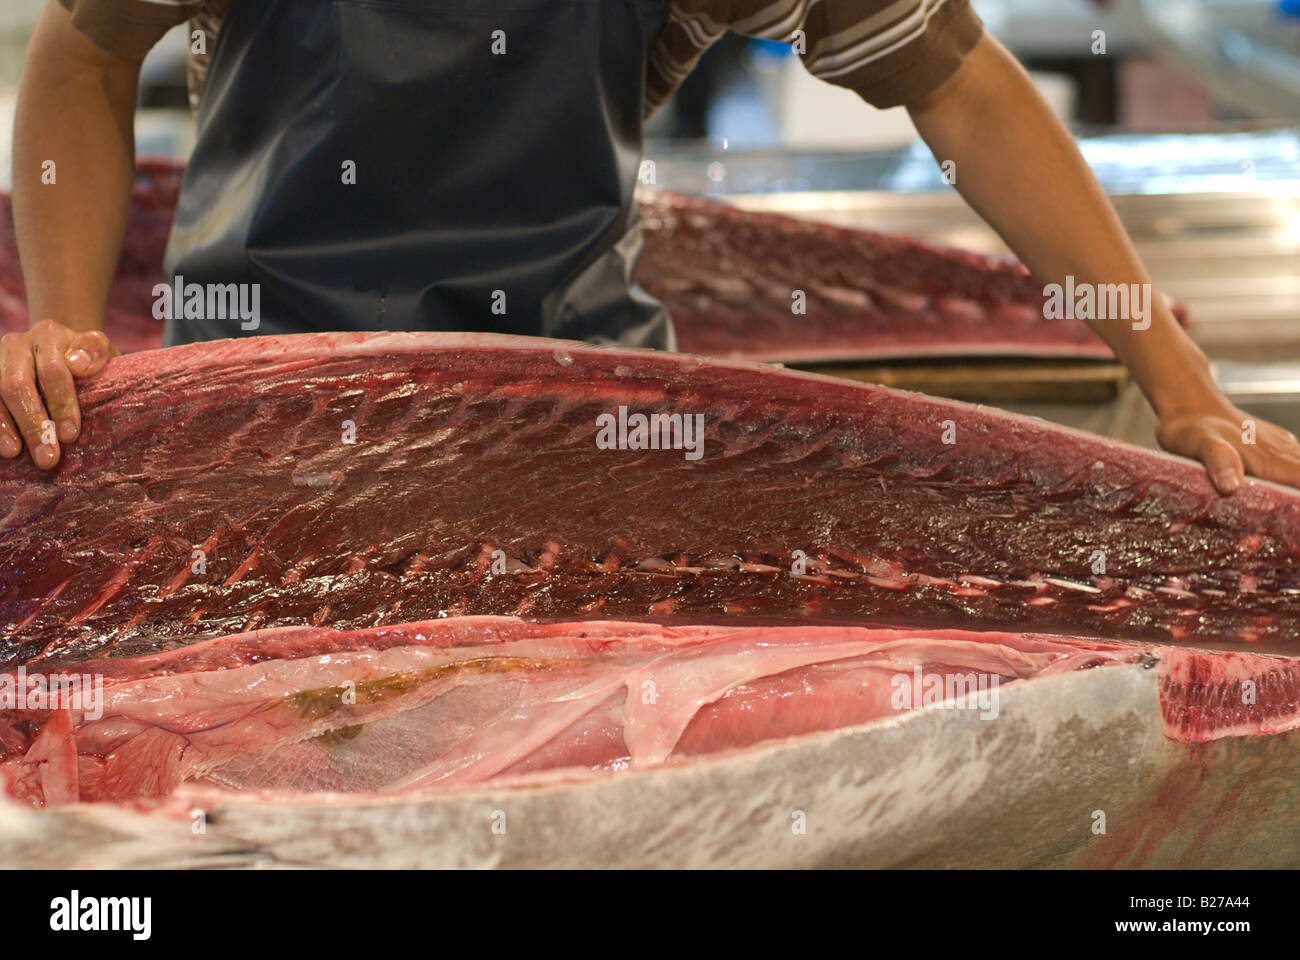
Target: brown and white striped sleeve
[[890, 52], [129, 28]]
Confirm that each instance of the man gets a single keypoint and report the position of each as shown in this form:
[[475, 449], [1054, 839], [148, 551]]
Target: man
[[451, 164]]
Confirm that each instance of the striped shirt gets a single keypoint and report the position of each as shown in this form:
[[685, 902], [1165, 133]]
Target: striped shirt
[[889, 51]]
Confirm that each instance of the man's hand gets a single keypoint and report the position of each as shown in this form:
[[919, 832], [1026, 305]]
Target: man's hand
[[1225, 439], [38, 396], [73, 166], [1018, 167]]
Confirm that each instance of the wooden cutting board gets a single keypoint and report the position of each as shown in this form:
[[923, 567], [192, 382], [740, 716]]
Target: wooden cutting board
[[993, 381]]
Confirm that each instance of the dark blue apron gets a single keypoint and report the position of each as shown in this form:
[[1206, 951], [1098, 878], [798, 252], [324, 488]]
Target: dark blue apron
[[493, 190]]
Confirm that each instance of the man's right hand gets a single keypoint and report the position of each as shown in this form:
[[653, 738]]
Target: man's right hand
[[38, 394]]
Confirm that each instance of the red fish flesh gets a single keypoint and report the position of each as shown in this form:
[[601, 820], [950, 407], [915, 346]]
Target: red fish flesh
[[367, 479]]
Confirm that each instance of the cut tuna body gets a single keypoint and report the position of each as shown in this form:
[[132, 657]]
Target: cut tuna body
[[380, 585], [299, 565]]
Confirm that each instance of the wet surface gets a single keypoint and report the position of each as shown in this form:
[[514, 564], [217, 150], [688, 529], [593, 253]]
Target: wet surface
[[475, 485]]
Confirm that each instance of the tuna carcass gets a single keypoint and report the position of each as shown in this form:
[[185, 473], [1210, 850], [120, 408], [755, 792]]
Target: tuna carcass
[[355, 575]]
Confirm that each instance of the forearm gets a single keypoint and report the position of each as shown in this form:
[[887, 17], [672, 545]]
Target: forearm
[[1018, 166], [73, 168]]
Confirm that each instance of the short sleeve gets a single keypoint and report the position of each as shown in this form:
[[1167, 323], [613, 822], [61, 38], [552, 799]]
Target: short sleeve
[[891, 52], [128, 28]]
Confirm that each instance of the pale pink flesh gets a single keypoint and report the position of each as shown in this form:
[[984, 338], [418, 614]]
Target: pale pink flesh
[[452, 703]]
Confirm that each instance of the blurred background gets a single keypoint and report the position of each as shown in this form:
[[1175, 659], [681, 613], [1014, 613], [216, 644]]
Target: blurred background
[[1167, 65], [1190, 118]]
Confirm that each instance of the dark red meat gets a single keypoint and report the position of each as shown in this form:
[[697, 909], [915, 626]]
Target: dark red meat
[[727, 278], [470, 444]]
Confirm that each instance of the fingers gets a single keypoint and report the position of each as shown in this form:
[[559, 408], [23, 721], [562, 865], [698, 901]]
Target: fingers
[[49, 346], [1198, 437], [88, 352], [18, 391], [38, 393], [1276, 456], [1229, 453], [67, 355], [11, 443], [1232, 444], [60, 393], [1223, 463]]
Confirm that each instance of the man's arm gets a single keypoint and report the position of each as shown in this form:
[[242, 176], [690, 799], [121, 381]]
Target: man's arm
[[1018, 166], [74, 158]]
